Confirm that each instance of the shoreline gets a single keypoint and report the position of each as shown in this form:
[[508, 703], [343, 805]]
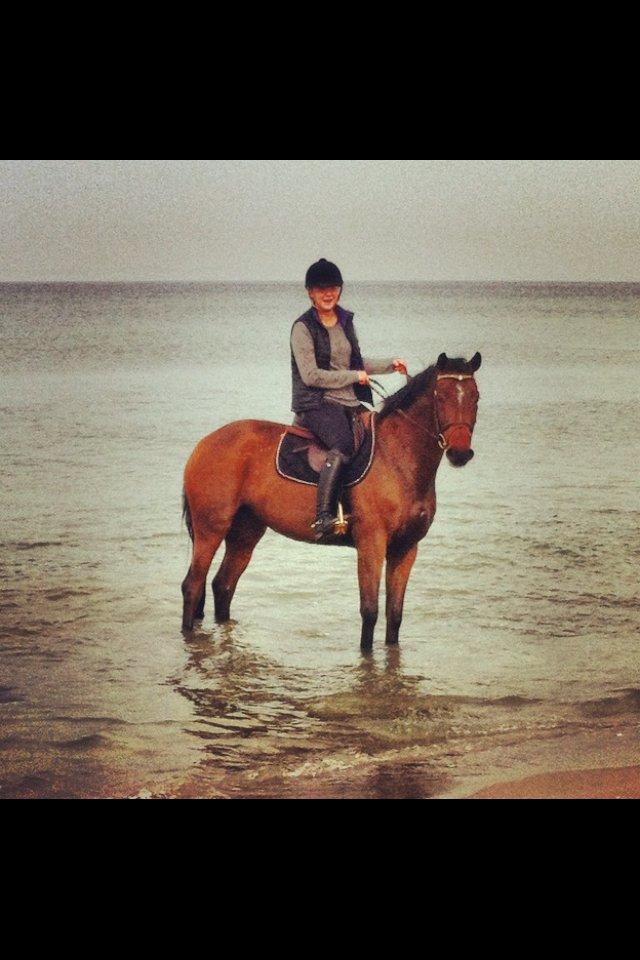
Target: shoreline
[[600, 763], [613, 783]]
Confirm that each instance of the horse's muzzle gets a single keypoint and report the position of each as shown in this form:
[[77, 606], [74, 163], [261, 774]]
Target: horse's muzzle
[[459, 458]]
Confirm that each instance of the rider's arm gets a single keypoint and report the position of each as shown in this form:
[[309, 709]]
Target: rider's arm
[[312, 375]]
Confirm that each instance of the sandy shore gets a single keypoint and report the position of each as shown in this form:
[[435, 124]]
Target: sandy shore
[[607, 784]]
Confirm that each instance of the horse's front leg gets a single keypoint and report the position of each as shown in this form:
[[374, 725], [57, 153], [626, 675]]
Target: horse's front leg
[[371, 551], [399, 565]]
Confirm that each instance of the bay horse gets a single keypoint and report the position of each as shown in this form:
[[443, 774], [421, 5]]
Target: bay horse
[[232, 492]]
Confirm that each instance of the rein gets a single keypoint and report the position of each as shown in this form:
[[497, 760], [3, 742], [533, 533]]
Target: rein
[[439, 436]]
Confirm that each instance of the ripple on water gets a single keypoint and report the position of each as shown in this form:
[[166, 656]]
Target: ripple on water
[[10, 695], [90, 742], [627, 703]]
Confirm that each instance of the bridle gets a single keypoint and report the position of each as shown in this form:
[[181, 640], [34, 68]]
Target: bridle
[[442, 441], [440, 435]]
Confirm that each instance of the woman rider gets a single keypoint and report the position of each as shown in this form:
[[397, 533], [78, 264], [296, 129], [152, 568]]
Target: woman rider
[[330, 378]]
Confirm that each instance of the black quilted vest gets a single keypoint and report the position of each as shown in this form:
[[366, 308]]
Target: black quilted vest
[[309, 398]]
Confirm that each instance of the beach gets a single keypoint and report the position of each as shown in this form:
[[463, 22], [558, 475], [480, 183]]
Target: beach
[[614, 784]]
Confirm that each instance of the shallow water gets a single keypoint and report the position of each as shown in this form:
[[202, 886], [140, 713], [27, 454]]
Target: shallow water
[[521, 623]]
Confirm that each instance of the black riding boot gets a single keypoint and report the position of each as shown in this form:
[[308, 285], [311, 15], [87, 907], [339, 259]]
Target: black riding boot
[[328, 494]]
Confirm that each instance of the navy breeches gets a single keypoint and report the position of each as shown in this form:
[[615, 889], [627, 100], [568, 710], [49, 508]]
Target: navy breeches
[[332, 424]]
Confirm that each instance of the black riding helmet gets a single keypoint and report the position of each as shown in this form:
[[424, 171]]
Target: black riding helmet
[[323, 274]]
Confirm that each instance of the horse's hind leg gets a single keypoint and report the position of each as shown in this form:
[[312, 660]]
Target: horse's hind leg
[[244, 533], [194, 584]]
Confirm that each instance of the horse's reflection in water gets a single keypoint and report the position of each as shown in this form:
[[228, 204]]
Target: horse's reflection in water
[[371, 677], [267, 729], [226, 678], [224, 671]]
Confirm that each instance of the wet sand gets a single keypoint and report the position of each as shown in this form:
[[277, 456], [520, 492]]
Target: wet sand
[[613, 784]]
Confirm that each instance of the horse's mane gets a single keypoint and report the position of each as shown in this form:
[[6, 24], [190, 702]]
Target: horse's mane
[[418, 386]]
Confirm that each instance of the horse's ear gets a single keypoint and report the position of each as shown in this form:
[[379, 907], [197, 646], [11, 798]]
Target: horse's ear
[[476, 362], [442, 361]]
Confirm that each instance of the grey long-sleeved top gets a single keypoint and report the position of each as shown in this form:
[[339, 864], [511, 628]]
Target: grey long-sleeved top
[[338, 381]]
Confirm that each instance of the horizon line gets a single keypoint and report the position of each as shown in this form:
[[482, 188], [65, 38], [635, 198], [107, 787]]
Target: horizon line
[[207, 282]]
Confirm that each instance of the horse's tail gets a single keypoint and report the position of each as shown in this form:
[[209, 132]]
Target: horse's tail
[[186, 515]]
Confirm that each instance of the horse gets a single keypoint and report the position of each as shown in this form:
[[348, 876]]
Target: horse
[[233, 492]]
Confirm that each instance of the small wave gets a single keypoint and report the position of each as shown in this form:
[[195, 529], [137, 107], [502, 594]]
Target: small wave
[[17, 631], [82, 743], [514, 701], [348, 706], [37, 544], [31, 784], [629, 702], [103, 721], [54, 596], [555, 550], [603, 600], [8, 695], [586, 600], [176, 535], [146, 794]]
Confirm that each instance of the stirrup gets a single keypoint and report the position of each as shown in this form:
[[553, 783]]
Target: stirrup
[[328, 526], [341, 525]]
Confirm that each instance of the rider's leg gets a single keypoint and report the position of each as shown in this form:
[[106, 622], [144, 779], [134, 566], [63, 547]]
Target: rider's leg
[[332, 425], [329, 487]]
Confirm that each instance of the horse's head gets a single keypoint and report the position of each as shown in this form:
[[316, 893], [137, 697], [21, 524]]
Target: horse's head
[[456, 406]]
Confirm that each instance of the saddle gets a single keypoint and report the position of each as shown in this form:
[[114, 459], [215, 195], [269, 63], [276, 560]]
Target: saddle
[[300, 454]]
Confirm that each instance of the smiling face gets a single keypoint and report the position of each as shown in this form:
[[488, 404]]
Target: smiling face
[[325, 299]]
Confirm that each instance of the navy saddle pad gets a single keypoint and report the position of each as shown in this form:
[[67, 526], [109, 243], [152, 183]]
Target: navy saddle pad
[[300, 457]]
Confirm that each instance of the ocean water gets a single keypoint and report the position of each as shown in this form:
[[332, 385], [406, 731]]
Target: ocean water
[[519, 645]]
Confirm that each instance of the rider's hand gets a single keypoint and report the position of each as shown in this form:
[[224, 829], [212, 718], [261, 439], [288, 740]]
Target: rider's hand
[[363, 378], [400, 366]]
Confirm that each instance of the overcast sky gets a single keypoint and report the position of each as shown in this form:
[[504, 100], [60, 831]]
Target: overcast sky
[[269, 219]]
